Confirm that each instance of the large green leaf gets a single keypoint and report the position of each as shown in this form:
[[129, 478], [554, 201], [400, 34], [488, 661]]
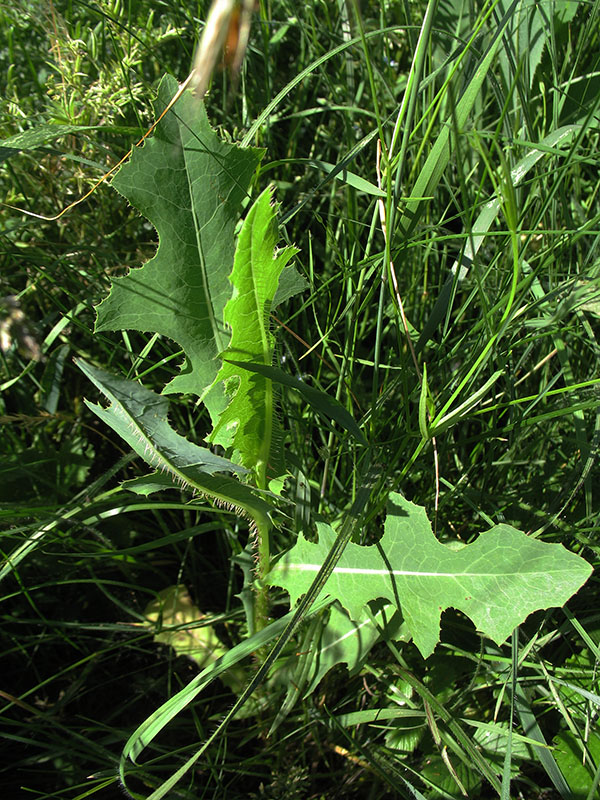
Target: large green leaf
[[190, 185], [497, 581], [579, 772], [344, 641], [333, 638], [248, 422], [139, 416]]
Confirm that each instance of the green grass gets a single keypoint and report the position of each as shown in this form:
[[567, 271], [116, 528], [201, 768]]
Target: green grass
[[502, 309]]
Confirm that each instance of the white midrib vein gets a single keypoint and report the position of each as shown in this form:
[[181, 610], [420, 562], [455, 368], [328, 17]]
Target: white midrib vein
[[418, 573]]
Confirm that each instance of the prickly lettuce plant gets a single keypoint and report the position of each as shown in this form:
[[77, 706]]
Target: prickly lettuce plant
[[212, 292]]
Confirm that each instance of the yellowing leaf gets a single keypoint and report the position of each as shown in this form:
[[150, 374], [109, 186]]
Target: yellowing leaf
[[174, 611]]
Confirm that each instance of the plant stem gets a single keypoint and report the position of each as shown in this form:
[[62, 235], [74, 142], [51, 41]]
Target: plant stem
[[263, 565]]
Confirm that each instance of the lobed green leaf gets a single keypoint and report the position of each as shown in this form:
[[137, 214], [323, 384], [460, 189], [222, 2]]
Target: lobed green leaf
[[497, 581], [190, 185]]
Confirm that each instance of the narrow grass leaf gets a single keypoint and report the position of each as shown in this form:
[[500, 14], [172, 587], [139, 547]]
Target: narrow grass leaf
[[42, 135], [460, 269], [152, 725], [326, 406], [439, 155], [532, 730]]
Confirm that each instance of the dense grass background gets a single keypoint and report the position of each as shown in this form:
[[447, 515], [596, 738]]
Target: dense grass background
[[79, 669]]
